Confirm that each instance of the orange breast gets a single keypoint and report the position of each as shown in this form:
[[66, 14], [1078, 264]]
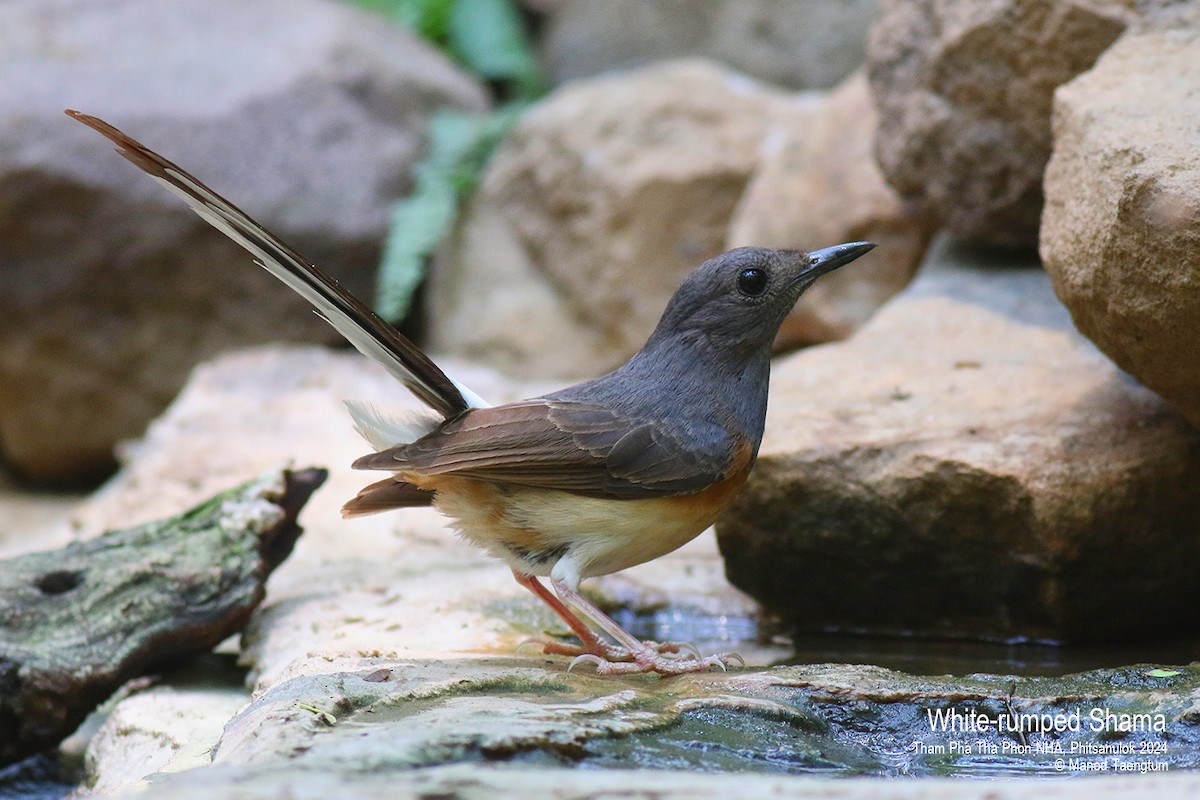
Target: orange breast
[[531, 528], [714, 499]]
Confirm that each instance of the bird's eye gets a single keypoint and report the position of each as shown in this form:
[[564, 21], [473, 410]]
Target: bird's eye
[[752, 282]]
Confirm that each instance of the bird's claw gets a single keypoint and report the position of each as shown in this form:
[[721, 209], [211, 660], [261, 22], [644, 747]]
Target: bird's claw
[[532, 641], [592, 658], [651, 660], [664, 658]]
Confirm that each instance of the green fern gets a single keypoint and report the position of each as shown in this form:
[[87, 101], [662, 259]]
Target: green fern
[[488, 38], [460, 146]]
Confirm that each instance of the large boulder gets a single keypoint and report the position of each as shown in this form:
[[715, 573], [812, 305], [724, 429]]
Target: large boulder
[[592, 210], [819, 185], [1122, 219], [964, 91], [308, 113], [384, 661], [801, 44], [967, 465]]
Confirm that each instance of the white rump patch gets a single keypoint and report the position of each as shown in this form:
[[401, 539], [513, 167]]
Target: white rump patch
[[384, 430]]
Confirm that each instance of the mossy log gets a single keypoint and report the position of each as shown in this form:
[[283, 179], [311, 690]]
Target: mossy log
[[76, 623]]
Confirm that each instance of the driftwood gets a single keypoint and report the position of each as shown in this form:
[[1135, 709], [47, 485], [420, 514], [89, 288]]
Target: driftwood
[[77, 623]]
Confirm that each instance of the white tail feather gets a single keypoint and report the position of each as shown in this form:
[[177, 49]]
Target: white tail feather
[[388, 430]]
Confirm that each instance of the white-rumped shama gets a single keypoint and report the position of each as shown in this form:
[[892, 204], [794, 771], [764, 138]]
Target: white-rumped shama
[[581, 482]]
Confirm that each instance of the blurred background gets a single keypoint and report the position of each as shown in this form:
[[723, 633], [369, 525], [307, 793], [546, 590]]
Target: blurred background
[[320, 119], [522, 184]]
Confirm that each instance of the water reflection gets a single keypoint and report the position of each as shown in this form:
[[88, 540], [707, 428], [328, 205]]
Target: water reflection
[[913, 655], [940, 657]]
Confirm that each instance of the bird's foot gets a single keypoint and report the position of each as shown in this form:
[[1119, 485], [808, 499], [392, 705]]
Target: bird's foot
[[598, 650], [672, 651], [676, 649], [652, 659]]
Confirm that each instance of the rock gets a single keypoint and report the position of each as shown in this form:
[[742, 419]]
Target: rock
[[818, 186], [156, 732], [590, 213], [486, 781], [801, 45], [407, 733], [967, 465], [1123, 205], [964, 90], [384, 656], [393, 586], [311, 118], [392, 583], [150, 594]]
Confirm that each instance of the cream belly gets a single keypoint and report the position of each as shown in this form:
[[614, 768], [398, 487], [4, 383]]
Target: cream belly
[[532, 528]]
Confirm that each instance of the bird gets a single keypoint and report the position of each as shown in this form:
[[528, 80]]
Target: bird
[[576, 483]]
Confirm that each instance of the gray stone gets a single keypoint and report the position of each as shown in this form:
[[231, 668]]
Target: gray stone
[[591, 212], [385, 654], [1123, 204], [489, 781], [79, 622], [819, 185], [801, 44], [392, 729], [968, 465], [157, 732], [964, 90], [309, 114]]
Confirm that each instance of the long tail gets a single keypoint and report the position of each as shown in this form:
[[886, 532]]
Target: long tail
[[352, 318]]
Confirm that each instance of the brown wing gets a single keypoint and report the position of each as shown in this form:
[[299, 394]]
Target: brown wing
[[576, 447]]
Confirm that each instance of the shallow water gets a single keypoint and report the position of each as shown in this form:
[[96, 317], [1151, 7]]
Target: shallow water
[[824, 738], [914, 655], [723, 740], [35, 778]]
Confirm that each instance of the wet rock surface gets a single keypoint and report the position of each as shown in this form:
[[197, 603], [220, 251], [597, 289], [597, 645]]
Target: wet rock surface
[[1122, 199], [401, 720], [481, 781], [168, 727], [312, 118], [385, 658], [964, 92], [970, 453]]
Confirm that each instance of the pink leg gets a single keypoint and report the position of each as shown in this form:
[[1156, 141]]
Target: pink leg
[[591, 644], [646, 656]]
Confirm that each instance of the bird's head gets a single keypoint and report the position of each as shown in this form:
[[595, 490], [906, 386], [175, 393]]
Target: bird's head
[[735, 303]]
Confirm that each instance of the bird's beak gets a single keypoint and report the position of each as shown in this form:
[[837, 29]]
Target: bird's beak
[[819, 262]]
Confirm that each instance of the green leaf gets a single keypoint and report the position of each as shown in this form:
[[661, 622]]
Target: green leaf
[[429, 19], [460, 145], [1163, 673], [324, 716], [489, 37]]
